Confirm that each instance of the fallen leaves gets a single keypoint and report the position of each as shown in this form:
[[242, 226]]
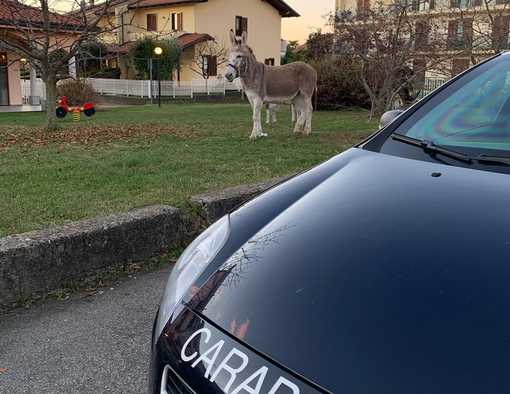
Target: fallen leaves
[[90, 136]]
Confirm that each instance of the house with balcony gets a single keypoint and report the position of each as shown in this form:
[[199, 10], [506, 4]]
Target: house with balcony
[[469, 30], [194, 23]]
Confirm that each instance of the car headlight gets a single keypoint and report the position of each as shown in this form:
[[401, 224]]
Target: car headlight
[[189, 266]]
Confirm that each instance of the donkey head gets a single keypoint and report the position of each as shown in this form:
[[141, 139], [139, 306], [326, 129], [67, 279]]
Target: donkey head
[[237, 57]]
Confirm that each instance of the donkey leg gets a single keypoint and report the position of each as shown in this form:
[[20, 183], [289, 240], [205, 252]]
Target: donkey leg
[[293, 111], [300, 105], [257, 128], [308, 126], [268, 113], [273, 115]]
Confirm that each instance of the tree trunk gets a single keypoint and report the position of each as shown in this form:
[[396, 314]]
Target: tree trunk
[[51, 102]]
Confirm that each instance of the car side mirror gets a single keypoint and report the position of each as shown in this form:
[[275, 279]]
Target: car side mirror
[[388, 117]]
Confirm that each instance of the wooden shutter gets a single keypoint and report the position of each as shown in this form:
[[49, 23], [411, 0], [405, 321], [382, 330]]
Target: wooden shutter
[[213, 66], [152, 22], [467, 32], [500, 32], [179, 21], [452, 34], [244, 25]]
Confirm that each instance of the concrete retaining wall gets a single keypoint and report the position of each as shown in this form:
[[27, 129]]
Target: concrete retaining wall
[[40, 261]]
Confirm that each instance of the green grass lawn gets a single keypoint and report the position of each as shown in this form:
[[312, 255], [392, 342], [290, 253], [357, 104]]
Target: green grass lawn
[[128, 157]]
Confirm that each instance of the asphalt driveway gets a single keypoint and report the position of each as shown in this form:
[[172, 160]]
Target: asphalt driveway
[[87, 344]]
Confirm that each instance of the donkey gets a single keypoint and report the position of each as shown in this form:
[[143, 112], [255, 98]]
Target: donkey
[[294, 83]]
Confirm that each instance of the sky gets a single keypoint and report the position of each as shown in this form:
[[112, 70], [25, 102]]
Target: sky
[[311, 19]]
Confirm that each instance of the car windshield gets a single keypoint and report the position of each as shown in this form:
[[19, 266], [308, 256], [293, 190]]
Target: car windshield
[[473, 112]]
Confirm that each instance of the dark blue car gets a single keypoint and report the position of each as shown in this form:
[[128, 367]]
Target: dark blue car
[[383, 270]]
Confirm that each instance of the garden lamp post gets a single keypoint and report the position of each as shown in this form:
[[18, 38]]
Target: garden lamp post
[[158, 51]]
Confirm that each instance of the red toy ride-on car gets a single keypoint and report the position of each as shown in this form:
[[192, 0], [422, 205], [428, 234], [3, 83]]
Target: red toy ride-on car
[[63, 109]]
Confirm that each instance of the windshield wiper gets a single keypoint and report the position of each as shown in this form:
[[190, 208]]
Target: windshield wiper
[[429, 145], [494, 159]]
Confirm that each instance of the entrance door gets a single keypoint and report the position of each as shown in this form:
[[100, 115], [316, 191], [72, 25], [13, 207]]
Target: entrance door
[[4, 87]]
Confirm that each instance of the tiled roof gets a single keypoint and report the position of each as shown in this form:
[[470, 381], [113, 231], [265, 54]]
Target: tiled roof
[[302, 47], [283, 8], [189, 39], [14, 13], [186, 40], [157, 3]]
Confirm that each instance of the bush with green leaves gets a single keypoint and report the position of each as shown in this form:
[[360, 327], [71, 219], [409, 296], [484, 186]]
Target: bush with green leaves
[[77, 93], [142, 50]]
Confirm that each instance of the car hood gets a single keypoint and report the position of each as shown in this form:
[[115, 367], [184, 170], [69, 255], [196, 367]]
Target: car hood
[[373, 273]]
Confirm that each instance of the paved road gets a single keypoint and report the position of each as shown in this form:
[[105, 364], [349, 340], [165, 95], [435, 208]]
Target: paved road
[[97, 344]]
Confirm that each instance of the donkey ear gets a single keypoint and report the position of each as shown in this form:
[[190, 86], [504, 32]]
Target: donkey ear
[[244, 37], [232, 38]]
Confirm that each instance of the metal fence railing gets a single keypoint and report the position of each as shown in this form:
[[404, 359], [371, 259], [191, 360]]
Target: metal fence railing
[[431, 84]]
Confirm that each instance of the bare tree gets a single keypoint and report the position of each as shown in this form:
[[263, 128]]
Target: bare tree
[[390, 46], [35, 31], [488, 23], [209, 55]]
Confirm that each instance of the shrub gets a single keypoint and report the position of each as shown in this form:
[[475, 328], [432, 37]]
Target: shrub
[[142, 49], [77, 92], [338, 86]]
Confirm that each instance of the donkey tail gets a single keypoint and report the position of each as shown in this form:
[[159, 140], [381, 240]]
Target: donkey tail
[[314, 99]]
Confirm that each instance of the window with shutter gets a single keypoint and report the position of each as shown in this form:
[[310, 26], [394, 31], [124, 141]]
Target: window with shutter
[[152, 22], [270, 61], [177, 21], [241, 25], [452, 34], [209, 66], [421, 35]]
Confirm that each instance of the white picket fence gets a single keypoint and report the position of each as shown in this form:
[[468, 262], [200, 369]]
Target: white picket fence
[[25, 90], [136, 88], [127, 87]]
